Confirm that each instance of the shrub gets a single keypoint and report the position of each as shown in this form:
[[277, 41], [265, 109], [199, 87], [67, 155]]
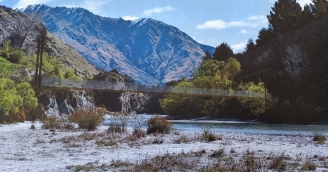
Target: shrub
[[51, 123], [209, 136], [217, 153], [139, 133], [308, 166], [278, 163], [16, 56], [320, 138], [158, 124], [88, 118]]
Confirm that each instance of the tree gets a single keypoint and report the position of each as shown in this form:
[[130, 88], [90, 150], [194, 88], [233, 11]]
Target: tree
[[296, 64], [285, 16], [265, 36], [15, 100], [207, 56], [6, 49], [319, 7], [250, 46], [232, 68], [223, 52]]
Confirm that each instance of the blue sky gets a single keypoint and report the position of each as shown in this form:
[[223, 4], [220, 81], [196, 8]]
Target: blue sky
[[209, 22]]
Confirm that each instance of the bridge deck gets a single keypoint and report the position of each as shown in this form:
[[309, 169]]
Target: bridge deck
[[122, 87]]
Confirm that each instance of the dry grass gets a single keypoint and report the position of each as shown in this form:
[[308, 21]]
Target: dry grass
[[278, 163]]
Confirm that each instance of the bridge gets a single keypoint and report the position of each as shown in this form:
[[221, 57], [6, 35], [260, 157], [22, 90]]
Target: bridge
[[95, 85]]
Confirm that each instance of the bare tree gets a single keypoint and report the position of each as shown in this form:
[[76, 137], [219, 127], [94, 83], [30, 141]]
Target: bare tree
[[296, 62]]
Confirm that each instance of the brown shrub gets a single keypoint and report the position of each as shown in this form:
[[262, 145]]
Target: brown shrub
[[320, 138], [308, 166], [51, 123], [88, 118], [158, 124], [278, 163]]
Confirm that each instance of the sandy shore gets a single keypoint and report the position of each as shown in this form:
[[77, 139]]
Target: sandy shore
[[24, 149]]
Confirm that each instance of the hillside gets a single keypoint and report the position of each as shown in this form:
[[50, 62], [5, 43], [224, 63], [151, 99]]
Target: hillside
[[149, 51], [18, 28]]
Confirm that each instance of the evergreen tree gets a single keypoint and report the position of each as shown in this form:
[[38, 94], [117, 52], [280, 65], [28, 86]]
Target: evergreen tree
[[250, 46], [265, 36], [223, 52], [319, 7], [207, 56], [285, 16]]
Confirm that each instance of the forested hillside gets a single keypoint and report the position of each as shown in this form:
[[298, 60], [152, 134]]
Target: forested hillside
[[294, 51]]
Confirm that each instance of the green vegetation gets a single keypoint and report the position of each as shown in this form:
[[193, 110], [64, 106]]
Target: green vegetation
[[16, 99], [213, 74], [6, 68]]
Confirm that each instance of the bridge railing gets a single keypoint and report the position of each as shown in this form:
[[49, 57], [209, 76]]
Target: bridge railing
[[105, 85]]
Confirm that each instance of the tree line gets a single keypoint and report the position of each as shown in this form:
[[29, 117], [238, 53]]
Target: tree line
[[293, 48]]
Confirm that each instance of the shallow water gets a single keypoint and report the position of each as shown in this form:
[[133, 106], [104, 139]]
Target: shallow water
[[243, 127], [251, 128]]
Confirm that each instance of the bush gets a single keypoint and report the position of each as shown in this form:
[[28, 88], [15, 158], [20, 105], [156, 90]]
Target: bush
[[158, 124], [308, 166], [209, 136], [278, 163], [51, 123], [88, 118], [16, 56], [320, 138]]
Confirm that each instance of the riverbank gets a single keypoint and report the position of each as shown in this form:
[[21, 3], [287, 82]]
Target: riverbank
[[25, 149]]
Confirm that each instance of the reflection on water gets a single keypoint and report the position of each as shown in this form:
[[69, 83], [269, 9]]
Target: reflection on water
[[243, 127]]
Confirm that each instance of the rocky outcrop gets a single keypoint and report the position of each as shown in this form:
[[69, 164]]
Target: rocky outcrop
[[54, 106]]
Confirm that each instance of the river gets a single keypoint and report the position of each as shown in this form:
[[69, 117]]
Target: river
[[244, 127]]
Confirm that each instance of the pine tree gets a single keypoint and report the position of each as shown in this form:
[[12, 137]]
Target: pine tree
[[285, 16], [223, 52]]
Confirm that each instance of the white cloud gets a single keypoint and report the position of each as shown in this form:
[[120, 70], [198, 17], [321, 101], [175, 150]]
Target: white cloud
[[25, 3], [243, 31], [95, 6], [158, 10], [130, 18], [304, 2], [239, 47], [252, 21]]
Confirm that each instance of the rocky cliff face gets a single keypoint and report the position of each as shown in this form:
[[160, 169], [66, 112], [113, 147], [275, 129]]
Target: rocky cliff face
[[149, 51]]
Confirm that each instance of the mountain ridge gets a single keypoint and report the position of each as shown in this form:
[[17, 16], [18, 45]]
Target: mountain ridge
[[148, 50]]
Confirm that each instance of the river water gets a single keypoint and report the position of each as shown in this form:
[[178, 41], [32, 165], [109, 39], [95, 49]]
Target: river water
[[244, 127]]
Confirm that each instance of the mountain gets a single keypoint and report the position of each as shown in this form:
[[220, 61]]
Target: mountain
[[149, 51], [18, 27]]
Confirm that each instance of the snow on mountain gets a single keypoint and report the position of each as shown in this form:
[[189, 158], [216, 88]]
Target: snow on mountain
[[149, 51]]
